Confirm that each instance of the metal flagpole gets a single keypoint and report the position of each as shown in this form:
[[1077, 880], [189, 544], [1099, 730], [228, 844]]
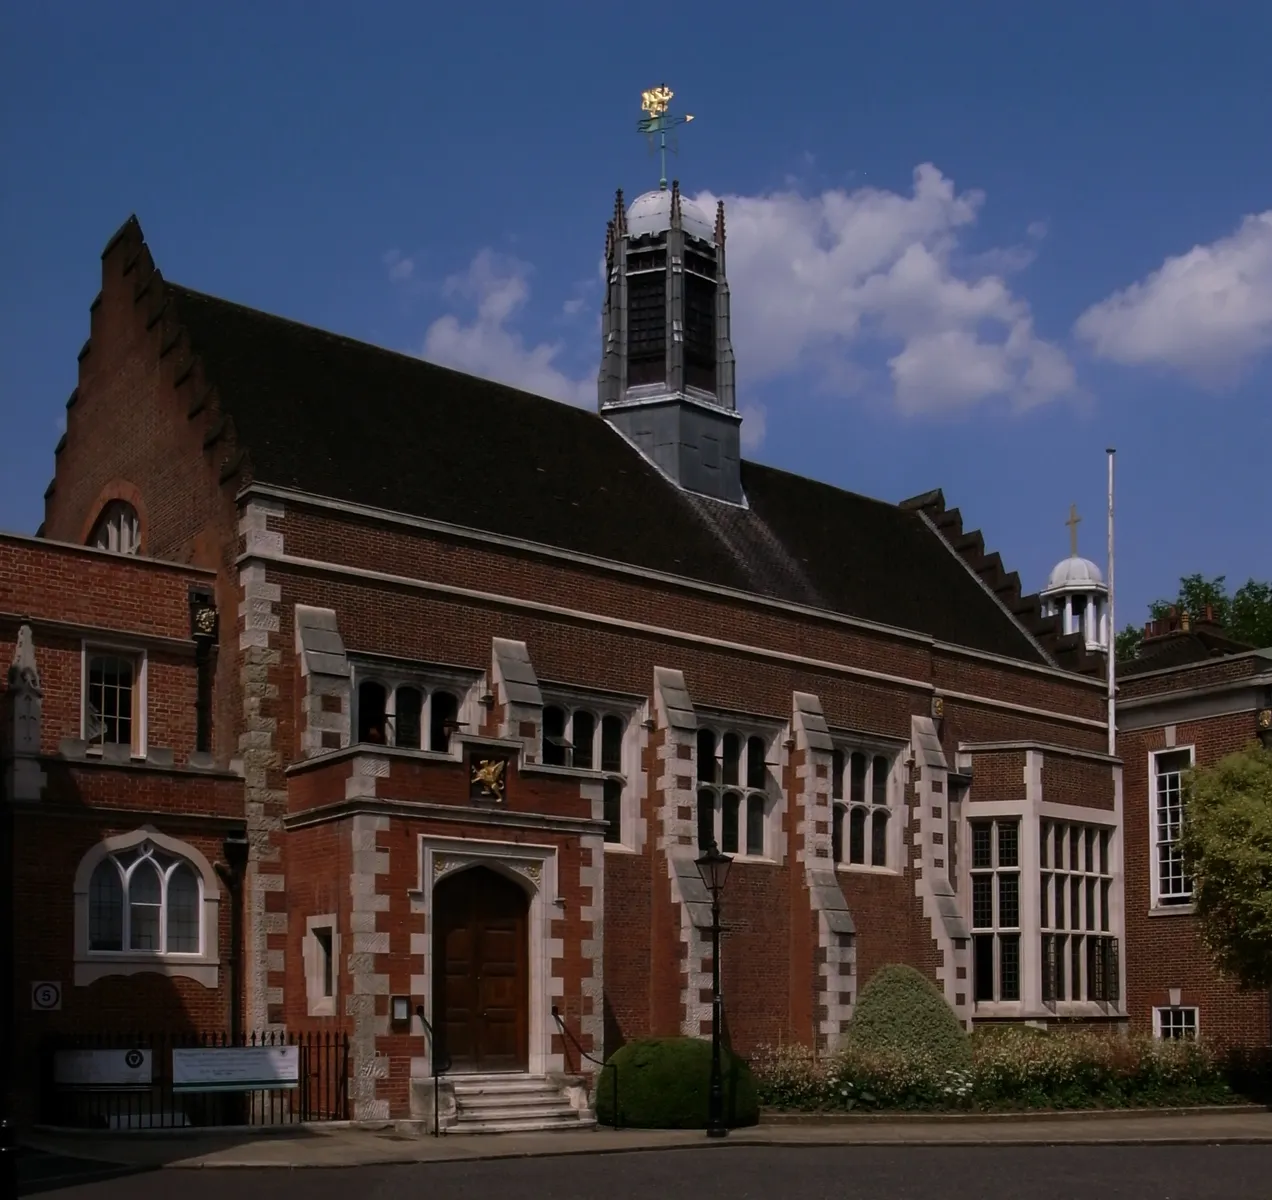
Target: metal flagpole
[[1112, 634]]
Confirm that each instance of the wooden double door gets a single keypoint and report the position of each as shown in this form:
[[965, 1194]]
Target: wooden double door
[[481, 980]]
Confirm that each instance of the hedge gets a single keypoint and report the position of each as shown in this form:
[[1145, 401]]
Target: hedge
[[900, 1010], [664, 1083]]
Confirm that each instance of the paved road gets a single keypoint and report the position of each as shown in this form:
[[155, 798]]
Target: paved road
[[750, 1173]]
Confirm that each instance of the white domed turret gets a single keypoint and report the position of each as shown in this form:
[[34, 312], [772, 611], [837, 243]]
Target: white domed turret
[[1077, 594]]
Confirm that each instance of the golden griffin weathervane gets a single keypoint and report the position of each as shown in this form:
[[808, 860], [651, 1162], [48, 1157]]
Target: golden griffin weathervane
[[656, 105]]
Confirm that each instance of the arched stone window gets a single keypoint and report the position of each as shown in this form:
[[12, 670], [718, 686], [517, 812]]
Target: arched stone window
[[117, 529], [734, 804], [591, 740], [145, 902]]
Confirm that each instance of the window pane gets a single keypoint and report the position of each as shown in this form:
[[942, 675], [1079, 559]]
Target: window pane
[[582, 734], [1008, 843], [1090, 850], [110, 700], [183, 911], [1104, 907], [732, 752], [106, 908], [1075, 848], [838, 813], [1061, 957], [1009, 901], [1104, 851], [879, 838], [857, 780], [408, 706], [1044, 839], [984, 947], [729, 823], [837, 775], [1009, 966], [706, 756], [857, 836], [443, 716], [1075, 967], [706, 819], [982, 901], [371, 705], [612, 744], [554, 736], [1044, 906], [1075, 904], [613, 810], [1060, 905], [982, 845], [879, 780], [323, 938], [756, 767], [755, 824], [143, 907]]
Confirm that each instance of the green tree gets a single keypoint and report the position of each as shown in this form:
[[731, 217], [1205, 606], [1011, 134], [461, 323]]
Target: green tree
[[1246, 616], [1227, 847]]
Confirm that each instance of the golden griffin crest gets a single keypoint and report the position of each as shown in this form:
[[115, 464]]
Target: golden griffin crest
[[489, 775]]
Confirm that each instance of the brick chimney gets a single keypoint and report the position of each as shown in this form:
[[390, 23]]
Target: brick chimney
[[1181, 621]]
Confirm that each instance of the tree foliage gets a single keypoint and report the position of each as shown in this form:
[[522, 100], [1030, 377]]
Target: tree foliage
[[1245, 616], [1227, 846]]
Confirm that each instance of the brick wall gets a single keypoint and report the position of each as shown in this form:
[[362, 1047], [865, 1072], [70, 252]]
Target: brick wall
[[1164, 948]]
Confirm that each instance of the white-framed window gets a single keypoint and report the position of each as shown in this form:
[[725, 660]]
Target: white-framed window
[[113, 709], [145, 902], [411, 714], [593, 739], [117, 529], [1171, 883], [1175, 1023], [995, 875], [861, 790], [734, 800], [1080, 955]]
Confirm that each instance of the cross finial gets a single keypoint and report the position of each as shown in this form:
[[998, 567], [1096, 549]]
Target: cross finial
[[1073, 522], [655, 104]]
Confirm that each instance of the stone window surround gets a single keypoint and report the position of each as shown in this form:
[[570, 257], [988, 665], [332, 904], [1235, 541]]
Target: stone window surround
[[1031, 815], [1155, 905], [465, 686], [720, 723], [600, 705], [894, 752], [91, 965], [91, 646], [533, 867], [319, 1005]]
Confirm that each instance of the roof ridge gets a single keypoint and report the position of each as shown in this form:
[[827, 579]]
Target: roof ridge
[[345, 340]]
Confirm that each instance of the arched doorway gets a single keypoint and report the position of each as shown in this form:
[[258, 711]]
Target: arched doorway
[[481, 978]]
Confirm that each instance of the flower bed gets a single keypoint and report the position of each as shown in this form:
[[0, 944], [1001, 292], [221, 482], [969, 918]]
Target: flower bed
[[1009, 1069]]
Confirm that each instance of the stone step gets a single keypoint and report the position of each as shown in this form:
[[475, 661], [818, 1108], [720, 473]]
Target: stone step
[[563, 1123], [519, 1112], [484, 1100], [503, 1083]]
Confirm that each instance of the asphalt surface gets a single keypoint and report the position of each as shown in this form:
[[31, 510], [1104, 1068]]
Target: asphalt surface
[[741, 1173]]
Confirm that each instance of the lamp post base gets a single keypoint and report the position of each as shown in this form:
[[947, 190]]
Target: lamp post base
[[717, 1133]]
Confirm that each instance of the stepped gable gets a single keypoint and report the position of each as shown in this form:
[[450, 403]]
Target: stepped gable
[[1067, 651], [297, 407]]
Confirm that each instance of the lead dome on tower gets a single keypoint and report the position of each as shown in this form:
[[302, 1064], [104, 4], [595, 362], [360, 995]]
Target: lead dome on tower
[[651, 213], [1075, 572]]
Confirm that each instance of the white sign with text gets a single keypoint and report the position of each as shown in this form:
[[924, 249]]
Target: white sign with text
[[102, 1068], [235, 1068]]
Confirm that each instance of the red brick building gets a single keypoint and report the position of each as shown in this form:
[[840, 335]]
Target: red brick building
[[492, 670], [1191, 696]]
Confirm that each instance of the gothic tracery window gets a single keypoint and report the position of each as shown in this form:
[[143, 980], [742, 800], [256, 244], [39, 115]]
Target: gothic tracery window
[[145, 900], [117, 529]]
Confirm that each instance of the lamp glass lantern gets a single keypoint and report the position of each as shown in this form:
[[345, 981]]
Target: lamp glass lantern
[[714, 869]]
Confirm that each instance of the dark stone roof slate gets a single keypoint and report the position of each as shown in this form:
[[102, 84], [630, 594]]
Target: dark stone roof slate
[[334, 417]]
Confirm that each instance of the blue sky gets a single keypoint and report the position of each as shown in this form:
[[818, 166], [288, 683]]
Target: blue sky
[[970, 245]]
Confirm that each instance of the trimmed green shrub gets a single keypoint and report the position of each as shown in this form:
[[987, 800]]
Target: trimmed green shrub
[[665, 1083], [900, 1011]]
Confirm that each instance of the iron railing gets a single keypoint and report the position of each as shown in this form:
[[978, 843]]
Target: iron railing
[[441, 1063], [610, 1066], [98, 1101]]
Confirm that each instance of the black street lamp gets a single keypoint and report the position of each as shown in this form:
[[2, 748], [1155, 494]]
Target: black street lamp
[[714, 869]]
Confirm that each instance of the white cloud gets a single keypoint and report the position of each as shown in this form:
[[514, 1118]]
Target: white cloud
[[817, 284], [817, 279], [400, 268], [498, 287], [1207, 313]]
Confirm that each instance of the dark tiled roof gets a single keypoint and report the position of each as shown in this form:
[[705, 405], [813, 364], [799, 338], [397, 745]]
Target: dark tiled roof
[[338, 418], [1180, 649]]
